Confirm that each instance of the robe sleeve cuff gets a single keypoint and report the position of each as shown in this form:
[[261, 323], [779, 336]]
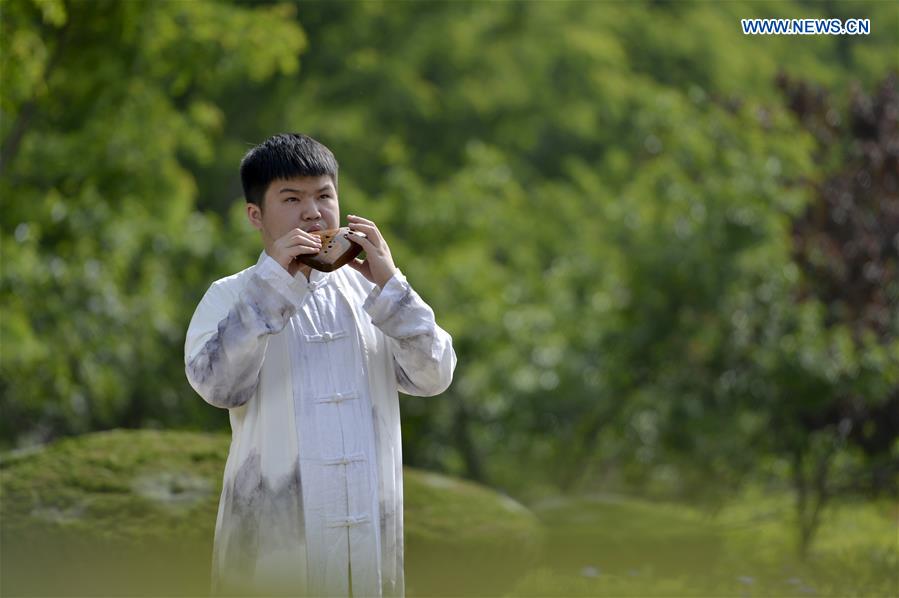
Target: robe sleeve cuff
[[382, 303]]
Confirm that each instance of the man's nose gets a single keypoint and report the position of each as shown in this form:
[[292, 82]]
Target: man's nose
[[310, 210]]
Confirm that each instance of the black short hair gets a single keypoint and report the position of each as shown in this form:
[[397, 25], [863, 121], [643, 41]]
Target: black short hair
[[284, 156]]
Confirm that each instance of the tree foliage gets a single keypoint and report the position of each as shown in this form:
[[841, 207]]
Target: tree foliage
[[104, 104]]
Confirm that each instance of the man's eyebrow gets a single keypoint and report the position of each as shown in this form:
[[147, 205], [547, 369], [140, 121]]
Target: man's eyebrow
[[289, 190]]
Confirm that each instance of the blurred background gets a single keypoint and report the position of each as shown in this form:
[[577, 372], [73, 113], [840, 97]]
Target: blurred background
[[667, 252]]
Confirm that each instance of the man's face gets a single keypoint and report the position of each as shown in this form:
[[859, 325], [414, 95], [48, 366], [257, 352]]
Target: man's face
[[309, 203]]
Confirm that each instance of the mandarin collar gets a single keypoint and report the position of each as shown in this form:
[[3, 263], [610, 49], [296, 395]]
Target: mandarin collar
[[317, 278]]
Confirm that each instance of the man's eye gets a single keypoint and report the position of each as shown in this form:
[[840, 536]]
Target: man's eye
[[326, 196]]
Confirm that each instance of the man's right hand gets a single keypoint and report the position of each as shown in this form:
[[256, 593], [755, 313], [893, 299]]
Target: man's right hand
[[295, 242]]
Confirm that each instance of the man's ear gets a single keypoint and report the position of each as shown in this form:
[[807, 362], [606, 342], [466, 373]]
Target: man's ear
[[254, 215]]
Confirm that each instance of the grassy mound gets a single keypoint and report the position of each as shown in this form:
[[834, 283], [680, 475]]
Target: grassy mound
[[463, 539], [133, 513]]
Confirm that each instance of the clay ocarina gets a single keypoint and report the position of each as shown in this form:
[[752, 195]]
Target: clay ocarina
[[336, 250]]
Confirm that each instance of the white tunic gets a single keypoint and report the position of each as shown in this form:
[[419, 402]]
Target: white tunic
[[312, 495]]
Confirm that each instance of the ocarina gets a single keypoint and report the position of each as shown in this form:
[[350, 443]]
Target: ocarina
[[336, 250]]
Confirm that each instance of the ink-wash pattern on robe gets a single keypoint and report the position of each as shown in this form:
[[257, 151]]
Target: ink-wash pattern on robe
[[309, 371]]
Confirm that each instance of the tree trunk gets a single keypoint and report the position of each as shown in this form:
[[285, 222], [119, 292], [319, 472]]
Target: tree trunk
[[811, 495], [473, 468], [584, 442]]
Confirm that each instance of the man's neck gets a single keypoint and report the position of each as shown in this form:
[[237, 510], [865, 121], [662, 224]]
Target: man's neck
[[299, 267], [295, 267]]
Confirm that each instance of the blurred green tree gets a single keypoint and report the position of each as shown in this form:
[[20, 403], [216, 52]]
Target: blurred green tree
[[103, 102], [835, 366]]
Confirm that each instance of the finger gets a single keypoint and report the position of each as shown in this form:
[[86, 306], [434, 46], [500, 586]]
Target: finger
[[360, 219], [363, 226], [310, 236], [370, 231], [302, 250], [305, 239], [366, 243], [298, 232]]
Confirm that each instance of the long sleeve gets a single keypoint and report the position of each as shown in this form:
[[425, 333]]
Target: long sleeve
[[228, 335], [423, 352]]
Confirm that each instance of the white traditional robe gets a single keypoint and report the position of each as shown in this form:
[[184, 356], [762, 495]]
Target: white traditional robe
[[312, 500]]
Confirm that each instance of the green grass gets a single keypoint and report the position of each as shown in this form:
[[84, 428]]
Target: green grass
[[615, 546]]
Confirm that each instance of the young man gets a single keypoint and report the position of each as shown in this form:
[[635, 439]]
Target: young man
[[308, 365]]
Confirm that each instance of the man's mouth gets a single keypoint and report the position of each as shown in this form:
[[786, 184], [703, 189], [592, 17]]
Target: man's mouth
[[313, 228]]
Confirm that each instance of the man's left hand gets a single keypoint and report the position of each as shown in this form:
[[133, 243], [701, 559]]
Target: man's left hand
[[378, 265]]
